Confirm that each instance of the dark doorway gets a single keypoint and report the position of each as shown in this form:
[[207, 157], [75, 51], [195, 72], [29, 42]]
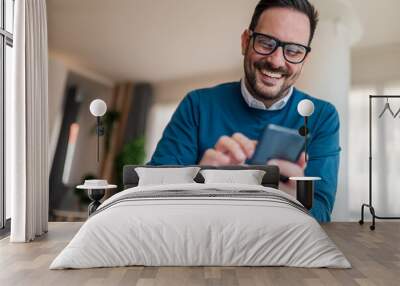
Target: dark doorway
[[57, 189]]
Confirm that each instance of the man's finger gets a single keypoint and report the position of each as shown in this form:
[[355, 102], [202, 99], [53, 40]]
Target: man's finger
[[214, 158], [247, 145], [287, 168], [230, 147], [302, 160]]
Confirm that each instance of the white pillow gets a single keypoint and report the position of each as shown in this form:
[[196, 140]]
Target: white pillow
[[163, 176], [248, 177]]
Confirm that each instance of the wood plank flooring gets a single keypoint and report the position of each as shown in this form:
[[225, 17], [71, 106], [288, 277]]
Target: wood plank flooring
[[375, 257]]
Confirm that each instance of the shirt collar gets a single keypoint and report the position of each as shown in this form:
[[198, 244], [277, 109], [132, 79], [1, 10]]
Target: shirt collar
[[257, 104]]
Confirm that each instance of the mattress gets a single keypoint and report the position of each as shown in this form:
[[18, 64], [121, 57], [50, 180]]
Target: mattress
[[201, 225]]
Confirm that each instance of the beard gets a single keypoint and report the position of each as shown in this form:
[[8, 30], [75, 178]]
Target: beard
[[259, 89]]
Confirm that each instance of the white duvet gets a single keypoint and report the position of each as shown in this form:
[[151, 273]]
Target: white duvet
[[183, 231]]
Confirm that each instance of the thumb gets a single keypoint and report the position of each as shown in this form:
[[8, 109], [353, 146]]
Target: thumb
[[302, 160]]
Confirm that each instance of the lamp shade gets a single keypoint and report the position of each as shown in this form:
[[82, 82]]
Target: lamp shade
[[98, 107], [305, 107]]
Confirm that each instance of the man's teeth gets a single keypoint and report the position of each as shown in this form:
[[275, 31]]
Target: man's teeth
[[271, 74]]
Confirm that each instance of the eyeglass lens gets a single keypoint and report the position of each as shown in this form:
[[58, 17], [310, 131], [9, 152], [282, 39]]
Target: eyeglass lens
[[292, 52]]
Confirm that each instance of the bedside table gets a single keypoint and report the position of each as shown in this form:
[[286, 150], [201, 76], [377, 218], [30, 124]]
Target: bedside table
[[95, 194], [305, 190]]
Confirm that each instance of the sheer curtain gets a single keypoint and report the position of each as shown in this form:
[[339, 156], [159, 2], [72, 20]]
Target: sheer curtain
[[26, 124], [385, 151]]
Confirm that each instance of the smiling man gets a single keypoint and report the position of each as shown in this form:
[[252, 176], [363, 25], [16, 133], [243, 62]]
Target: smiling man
[[220, 125]]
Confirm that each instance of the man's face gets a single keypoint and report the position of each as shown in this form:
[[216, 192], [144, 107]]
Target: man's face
[[269, 77]]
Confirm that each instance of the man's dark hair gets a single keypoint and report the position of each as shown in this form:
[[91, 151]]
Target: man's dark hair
[[302, 6]]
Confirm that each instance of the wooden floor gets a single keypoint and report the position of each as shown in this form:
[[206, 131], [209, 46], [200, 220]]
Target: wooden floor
[[375, 256]]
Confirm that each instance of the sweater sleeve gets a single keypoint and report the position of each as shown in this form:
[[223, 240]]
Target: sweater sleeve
[[178, 145], [324, 151]]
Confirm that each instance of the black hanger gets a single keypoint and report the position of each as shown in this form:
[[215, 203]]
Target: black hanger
[[387, 107]]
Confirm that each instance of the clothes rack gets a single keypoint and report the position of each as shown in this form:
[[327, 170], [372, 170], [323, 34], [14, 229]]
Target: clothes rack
[[369, 205]]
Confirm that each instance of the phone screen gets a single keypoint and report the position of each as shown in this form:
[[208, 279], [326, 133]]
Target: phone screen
[[278, 142]]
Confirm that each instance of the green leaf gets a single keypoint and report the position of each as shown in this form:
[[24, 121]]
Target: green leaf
[[133, 153]]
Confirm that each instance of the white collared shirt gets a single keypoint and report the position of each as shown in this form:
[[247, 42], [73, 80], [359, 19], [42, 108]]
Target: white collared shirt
[[257, 104]]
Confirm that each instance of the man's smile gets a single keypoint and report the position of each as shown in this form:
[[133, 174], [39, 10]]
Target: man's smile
[[270, 78]]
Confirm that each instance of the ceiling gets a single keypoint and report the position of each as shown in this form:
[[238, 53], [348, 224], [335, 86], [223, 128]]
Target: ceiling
[[380, 22], [157, 40]]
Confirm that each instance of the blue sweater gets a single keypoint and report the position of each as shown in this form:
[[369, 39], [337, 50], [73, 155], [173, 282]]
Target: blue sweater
[[205, 115]]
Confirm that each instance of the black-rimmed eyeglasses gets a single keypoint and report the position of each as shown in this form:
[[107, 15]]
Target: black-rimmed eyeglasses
[[266, 45]]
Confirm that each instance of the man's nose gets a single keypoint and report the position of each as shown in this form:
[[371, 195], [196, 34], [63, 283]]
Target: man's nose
[[277, 58]]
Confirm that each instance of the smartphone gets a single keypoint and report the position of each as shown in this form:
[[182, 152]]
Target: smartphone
[[278, 142]]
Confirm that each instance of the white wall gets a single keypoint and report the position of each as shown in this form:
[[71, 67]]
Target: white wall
[[376, 65]]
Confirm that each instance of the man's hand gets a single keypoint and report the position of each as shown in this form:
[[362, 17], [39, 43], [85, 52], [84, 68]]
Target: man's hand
[[237, 149], [290, 169], [229, 151]]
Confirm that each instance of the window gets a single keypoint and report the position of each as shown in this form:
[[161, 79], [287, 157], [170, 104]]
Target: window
[[6, 60], [159, 117]]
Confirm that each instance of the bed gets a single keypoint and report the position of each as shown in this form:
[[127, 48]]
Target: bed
[[201, 224]]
